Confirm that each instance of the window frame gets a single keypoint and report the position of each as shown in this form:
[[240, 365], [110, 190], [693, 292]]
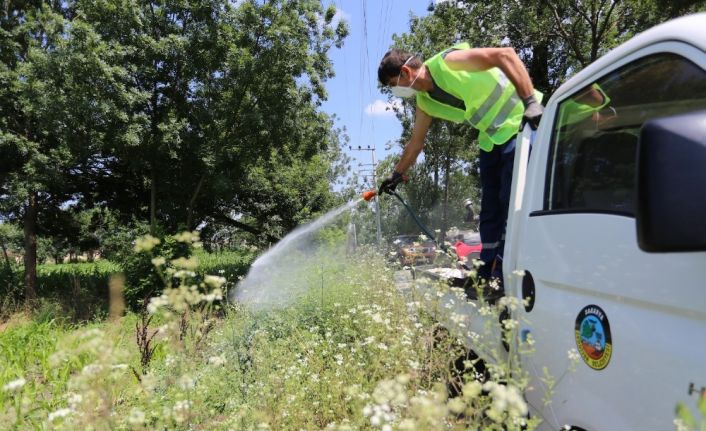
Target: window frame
[[683, 49]]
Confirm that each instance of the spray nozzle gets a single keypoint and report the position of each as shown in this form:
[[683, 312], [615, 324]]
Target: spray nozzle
[[369, 194]]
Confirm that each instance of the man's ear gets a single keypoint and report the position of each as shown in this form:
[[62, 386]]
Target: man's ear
[[406, 71]]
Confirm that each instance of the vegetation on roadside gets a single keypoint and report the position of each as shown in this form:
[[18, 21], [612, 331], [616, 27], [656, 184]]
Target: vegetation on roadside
[[352, 353]]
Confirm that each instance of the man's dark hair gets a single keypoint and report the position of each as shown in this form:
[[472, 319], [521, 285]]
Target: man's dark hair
[[392, 62]]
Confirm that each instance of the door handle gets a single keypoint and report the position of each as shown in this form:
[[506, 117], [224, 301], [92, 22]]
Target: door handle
[[528, 291]]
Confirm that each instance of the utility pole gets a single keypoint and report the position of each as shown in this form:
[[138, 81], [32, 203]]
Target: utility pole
[[377, 198]]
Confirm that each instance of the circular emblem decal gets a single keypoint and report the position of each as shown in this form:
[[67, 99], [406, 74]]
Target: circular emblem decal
[[593, 338]]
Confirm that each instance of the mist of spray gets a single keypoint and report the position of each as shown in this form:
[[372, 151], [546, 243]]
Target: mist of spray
[[278, 277]]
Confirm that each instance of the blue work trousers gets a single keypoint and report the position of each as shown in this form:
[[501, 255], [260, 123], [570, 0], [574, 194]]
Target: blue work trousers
[[496, 182]]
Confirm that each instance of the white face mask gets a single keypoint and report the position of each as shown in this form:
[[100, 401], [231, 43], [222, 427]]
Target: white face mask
[[404, 92]]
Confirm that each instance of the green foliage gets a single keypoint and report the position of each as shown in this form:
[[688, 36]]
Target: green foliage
[[80, 288], [141, 279], [174, 114], [686, 420], [352, 353], [229, 264], [228, 117], [11, 292], [331, 236], [555, 39]]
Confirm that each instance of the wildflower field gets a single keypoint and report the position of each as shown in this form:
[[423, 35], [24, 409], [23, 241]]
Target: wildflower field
[[352, 352]]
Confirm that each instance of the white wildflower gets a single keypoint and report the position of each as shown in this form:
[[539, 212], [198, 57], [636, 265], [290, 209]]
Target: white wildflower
[[181, 410], [217, 294], [214, 281], [137, 417], [187, 237], [187, 264], [456, 405], [510, 324], [186, 382], [74, 400], [15, 385], [91, 369], [156, 303], [217, 360], [146, 243], [61, 413], [573, 355], [679, 425]]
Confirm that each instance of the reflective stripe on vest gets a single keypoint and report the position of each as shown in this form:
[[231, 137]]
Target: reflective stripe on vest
[[503, 114], [483, 109]]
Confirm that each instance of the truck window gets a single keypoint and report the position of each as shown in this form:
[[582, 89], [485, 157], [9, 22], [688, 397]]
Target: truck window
[[594, 141]]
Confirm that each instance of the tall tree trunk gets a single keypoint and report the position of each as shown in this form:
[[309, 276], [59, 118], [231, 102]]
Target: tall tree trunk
[[192, 202], [30, 257], [153, 203], [4, 253]]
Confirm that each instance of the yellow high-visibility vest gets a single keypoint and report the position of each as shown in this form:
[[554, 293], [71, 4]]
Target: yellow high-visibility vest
[[492, 104]]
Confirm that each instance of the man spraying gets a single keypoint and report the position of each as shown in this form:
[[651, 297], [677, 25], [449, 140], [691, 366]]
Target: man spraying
[[490, 89]]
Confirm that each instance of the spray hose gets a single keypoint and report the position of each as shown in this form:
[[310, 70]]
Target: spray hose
[[368, 195]]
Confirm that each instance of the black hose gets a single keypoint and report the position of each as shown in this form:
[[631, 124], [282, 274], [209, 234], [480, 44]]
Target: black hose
[[416, 219]]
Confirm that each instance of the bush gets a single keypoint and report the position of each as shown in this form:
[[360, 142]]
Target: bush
[[228, 264], [80, 288], [11, 289], [351, 353], [141, 279]]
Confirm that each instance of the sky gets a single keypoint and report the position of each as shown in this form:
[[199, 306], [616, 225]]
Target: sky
[[353, 94]]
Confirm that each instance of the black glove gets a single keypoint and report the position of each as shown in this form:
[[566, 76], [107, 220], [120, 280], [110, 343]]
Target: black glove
[[533, 112], [389, 184]]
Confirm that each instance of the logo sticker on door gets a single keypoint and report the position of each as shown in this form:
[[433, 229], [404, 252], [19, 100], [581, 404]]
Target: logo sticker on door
[[593, 338]]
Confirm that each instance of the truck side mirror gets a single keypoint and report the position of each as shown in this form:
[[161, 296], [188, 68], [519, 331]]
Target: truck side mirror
[[671, 184]]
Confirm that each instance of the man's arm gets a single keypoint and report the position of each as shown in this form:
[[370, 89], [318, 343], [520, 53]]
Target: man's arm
[[505, 59], [411, 151]]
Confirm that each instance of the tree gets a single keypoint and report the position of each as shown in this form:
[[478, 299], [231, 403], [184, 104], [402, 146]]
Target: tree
[[555, 38], [10, 241], [233, 96], [62, 97]]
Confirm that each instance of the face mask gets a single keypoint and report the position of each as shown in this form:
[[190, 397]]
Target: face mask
[[404, 92]]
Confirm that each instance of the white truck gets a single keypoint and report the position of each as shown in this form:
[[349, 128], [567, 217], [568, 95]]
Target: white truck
[[608, 223]]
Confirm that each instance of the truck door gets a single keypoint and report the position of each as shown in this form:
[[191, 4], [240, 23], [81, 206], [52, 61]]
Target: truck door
[[636, 320]]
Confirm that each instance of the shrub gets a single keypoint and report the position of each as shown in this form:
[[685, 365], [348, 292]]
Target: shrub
[[11, 289], [351, 353], [80, 288], [142, 281]]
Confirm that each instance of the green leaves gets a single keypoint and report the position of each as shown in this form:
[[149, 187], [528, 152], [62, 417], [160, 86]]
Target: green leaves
[[166, 108]]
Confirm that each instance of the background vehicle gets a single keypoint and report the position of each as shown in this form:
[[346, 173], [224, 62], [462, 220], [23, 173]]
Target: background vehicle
[[467, 245], [607, 223], [410, 251]]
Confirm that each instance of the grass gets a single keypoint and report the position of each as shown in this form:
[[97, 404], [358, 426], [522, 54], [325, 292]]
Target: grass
[[79, 291], [352, 353]]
